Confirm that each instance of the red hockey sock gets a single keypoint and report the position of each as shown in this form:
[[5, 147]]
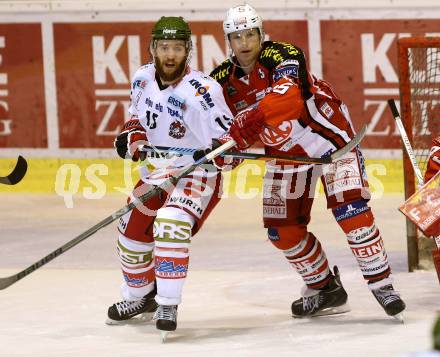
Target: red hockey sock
[[364, 239]]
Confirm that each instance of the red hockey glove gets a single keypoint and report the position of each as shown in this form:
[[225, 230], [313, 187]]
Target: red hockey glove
[[246, 127], [127, 142]]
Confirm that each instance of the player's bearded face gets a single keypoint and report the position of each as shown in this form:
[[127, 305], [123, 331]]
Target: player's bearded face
[[170, 59], [246, 46]]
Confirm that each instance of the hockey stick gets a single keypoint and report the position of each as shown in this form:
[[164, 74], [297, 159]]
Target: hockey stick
[[416, 168], [255, 156], [17, 173], [8, 281]]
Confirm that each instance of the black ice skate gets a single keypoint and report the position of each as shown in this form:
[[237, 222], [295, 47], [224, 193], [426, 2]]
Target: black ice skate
[[328, 301], [389, 299], [125, 310], [166, 319]]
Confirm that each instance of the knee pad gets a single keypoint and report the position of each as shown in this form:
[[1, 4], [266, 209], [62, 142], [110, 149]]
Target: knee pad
[[364, 239], [286, 237]]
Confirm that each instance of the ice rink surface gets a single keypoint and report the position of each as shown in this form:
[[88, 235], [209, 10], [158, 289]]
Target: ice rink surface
[[236, 299]]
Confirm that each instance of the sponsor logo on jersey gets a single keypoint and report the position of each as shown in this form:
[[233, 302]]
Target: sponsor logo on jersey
[[372, 249], [188, 203], [327, 110], [220, 73], [261, 94], [174, 113], [159, 107], [135, 282], [277, 136], [177, 102], [343, 175], [272, 234], [137, 99], [202, 91], [240, 105], [169, 269], [203, 105], [149, 102], [169, 230], [361, 234], [139, 83], [274, 202], [286, 69], [177, 129], [276, 54], [351, 210]]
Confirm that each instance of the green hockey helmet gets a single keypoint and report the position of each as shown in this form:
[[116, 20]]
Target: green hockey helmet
[[171, 28]]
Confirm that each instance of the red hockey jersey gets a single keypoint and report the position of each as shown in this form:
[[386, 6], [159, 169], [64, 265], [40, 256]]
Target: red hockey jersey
[[304, 115], [433, 165]]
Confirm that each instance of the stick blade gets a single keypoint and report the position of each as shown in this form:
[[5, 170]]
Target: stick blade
[[17, 174], [8, 281]]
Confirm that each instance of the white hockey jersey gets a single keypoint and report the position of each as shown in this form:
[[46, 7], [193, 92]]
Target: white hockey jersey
[[188, 114]]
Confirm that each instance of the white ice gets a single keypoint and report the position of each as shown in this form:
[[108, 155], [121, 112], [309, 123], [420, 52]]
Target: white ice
[[236, 299]]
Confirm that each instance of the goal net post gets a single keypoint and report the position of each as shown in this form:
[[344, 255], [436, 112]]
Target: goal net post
[[419, 86]]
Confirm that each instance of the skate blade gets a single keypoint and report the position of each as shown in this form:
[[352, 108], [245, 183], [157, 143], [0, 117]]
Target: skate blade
[[164, 335], [328, 311], [399, 317], [139, 319]]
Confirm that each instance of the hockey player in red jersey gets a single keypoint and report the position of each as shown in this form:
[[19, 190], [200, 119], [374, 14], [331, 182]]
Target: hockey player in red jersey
[[433, 165], [292, 112]]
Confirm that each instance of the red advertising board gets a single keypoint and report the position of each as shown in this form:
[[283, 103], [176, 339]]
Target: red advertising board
[[22, 100], [360, 59], [95, 63]]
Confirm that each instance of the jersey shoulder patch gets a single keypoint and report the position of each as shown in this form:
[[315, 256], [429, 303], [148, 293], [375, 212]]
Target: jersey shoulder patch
[[222, 71], [274, 53]]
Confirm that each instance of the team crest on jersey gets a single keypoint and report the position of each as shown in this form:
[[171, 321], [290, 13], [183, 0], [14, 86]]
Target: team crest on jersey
[[261, 73], [177, 129], [327, 110], [276, 136]]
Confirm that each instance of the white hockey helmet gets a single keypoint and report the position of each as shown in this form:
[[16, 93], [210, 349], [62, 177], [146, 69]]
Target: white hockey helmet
[[242, 17]]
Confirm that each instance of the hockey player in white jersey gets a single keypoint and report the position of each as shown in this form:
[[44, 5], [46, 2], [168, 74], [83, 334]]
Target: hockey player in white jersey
[[171, 105]]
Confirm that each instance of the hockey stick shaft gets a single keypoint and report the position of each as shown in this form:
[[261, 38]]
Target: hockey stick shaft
[[17, 173], [411, 155], [406, 142], [256, 156], [8, 281]]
